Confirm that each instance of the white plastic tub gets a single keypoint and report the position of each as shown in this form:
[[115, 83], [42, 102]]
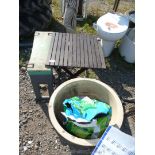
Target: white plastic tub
[[111, 27], [127, 47], [83, 87]]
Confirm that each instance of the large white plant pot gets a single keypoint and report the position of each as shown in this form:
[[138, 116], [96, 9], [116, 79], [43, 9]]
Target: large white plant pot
[[111, 27]]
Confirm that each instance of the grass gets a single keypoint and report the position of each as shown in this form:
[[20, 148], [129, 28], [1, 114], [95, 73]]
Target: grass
[[86, 25], [56, 10]]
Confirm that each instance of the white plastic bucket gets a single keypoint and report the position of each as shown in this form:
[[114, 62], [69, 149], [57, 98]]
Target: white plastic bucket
[[127, 47], [107, 47], [111, 27]]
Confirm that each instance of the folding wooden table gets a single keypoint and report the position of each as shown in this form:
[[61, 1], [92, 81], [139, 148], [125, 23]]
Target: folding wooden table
[[74, 50]]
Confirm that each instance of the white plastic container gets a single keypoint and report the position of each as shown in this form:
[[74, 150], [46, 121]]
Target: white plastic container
[[111, 27], [127, 47]]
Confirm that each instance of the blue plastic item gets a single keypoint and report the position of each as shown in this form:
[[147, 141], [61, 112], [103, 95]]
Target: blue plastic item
[[85, 108]]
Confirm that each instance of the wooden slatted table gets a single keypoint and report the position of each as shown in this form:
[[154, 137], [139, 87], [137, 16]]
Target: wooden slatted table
[[69, 50]]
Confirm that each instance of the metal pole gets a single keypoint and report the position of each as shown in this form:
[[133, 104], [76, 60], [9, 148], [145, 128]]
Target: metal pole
[[116, 5]]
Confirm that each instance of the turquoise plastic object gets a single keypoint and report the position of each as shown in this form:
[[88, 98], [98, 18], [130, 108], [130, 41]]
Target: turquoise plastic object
[[85, 107]]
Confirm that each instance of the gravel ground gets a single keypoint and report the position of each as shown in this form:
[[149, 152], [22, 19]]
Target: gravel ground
[[37, 135]]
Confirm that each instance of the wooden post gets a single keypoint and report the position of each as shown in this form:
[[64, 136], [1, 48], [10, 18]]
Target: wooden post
[[70, 15]]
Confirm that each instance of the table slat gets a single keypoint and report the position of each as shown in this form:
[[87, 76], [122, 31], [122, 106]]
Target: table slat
[[52, 60], [70, 50], [95, 62], [85, 50], [97, 53], [62, 56], [82, 51], [101, 55], [58, 52], [78, 51], [89, 52], [66, 50], [74, 50]]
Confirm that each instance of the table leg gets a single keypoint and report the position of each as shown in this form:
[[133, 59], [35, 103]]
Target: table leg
[[79, 72], [67, 71], [75, 74], [58, 71]]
